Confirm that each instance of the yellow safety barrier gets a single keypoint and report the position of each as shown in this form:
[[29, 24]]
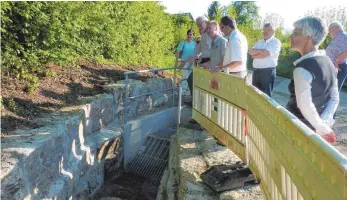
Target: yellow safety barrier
[[290, 161], [219, 116]]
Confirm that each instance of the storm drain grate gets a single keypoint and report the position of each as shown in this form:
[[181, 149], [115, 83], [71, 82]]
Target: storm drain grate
[[151, 160]]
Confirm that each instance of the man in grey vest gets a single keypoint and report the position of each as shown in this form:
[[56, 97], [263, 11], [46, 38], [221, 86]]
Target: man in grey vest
[[314, 92]]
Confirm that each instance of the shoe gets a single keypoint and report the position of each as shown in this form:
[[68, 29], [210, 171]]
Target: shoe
[[189, 103], [330, 137], [192, 121], [220, 143]]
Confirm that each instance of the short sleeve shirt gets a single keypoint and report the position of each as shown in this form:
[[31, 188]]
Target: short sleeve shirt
[[272, 45], [188, 48], [237, 49]]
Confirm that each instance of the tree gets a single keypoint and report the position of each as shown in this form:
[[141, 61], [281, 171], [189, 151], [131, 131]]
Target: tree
[[247, 11], [275, 19], [330, 14], [215, 11]]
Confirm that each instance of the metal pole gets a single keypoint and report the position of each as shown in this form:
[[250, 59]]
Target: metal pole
[[174, 87], [126, 98], [179, 102]]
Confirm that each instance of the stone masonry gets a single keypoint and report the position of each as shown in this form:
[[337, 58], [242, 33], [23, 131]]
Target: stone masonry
[[191, 153], [67, 157]]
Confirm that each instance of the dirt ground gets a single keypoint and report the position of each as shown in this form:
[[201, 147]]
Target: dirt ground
[[19, 109]]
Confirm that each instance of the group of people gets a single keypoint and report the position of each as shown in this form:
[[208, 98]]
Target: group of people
[[318, 74]]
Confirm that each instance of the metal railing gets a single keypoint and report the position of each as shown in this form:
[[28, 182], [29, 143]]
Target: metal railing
[[290, 160], [153, 71], [179, 107]]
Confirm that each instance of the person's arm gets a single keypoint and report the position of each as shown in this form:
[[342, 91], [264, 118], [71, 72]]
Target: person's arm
[[222, 47], [328, 113], [303, 80], [260, 53], [179, 48], [236, 60], [340, 57], [255, 49]]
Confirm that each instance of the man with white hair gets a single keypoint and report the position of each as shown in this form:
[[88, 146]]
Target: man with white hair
[[337, 51], [265, 58], [202, 50], [314, 94]]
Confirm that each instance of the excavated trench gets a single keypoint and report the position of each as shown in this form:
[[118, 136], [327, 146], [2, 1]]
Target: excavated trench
[[140, 179]]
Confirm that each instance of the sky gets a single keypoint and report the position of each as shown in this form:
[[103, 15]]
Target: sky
[[290, 10]]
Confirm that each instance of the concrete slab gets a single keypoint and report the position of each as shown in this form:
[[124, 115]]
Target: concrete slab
[[282, 86], [136, 131]]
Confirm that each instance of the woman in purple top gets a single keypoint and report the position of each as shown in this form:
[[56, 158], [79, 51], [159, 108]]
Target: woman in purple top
[[337, 51]]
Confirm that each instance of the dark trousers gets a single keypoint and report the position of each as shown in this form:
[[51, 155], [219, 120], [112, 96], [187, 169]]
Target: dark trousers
[[264, 79], [190, 78], [341, 77]]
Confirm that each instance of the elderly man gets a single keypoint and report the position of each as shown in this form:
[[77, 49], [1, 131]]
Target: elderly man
[[201, 53], [218, 45], [202, 50], [337, 51], [235, 58], [314, 94], [265, 54]]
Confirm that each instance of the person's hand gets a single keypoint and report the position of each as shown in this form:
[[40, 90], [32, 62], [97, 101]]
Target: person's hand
[[214, 69], [336, 64], [329, 137], [206, 65], [183, 63]]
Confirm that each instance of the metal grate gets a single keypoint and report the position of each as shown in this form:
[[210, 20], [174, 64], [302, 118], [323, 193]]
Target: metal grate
[[151, 159]]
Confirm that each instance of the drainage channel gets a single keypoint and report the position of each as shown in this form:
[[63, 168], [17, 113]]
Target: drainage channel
[[151, 160], [141, 177]]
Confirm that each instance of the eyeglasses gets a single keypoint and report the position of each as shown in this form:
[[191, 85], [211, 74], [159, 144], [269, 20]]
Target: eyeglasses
[[190, 34], [199, 25], [297, 32]]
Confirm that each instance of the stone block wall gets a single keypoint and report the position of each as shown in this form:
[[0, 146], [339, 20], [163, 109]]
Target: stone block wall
[[67, 158]]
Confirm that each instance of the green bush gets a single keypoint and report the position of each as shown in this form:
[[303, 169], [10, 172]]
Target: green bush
[[127, 33]]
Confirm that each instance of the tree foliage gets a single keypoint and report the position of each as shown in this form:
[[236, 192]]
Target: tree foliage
[[247, 11], [128, 33], [330, 14], [182, 23], [215, 11]]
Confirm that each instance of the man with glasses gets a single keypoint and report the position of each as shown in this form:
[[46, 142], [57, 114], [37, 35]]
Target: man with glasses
[[235, 58], [265, 54], [218, 45]]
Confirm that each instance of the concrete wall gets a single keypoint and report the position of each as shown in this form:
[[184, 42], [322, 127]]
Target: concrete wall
[[67, 158], [135, 131]]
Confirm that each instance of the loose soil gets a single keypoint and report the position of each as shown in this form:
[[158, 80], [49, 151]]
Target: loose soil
[[66, 88], [128, 186]]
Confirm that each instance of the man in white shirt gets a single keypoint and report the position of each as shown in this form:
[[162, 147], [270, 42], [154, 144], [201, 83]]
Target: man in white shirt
[[314, 92], [265, 58], [235, 58]]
